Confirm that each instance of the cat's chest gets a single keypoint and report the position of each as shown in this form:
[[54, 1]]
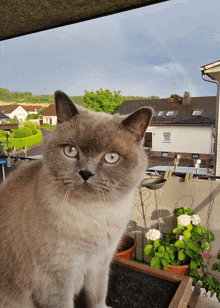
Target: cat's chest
[[93, 220]]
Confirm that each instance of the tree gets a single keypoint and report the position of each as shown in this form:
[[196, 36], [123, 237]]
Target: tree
[[14, 120], [103, 100]]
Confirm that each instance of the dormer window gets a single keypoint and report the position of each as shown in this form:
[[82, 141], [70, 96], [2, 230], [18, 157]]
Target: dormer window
[[197, 113], [160, 114], [170, 113]]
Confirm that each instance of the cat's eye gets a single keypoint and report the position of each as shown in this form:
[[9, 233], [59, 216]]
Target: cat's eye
[[70, 151], [111, 158]]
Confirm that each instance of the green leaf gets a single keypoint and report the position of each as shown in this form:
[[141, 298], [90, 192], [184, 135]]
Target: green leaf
[[194, 236], [156, 243], [189, 227], [173, 262], [197, 230], [193, 265], [194, 272], [161, 249], [187, 234], [165, 263], [207, 246], [169, 250], [190, 253], [199, 258], [212, 292], [181, 255], [194, 247], [211, 235], [164, 243], [180, 244], [149, 250], [155, 262], [159, 254]]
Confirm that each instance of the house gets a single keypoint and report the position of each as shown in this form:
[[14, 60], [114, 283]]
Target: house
[[4, 124], [32, 109], [14, 110], [3, 118], [49, 115], [180, 125]]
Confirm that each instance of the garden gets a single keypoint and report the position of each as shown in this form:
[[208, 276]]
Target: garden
[[25, 136]]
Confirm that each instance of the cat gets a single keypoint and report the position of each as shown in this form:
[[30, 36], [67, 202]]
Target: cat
[[62, 218]]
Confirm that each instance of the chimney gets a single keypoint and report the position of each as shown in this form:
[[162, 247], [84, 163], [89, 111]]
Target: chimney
[[186, 99]]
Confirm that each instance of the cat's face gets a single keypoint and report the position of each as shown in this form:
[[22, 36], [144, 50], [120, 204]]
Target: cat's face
[[94, 155]]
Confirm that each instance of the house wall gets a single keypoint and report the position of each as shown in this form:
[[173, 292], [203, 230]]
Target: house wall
[[46, 119], [184, 140], [20, 113]]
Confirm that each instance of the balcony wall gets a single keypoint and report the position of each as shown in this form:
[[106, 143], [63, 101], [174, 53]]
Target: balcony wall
[[202, 196]]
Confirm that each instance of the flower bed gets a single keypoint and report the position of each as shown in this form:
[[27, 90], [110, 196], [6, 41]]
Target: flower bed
[[19, 143]]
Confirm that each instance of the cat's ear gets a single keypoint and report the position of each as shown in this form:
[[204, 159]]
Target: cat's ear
[[138, 121], [65, 107]]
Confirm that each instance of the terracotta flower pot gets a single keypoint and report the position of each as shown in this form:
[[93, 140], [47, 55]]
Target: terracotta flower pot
[[182, 270], [126, 248]]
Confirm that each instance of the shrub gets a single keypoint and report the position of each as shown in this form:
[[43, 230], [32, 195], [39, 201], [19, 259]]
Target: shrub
[[33, 127], [32, 116], [47, 126], [19, 143], [21, 132], [3, 132]]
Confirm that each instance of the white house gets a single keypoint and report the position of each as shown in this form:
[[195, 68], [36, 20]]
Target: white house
[[180, 125], [14, 110], [49, 115], [32, 109]]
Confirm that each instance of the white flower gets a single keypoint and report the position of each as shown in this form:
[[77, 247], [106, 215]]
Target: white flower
[[153, 234], [196, 219], [184, 220]]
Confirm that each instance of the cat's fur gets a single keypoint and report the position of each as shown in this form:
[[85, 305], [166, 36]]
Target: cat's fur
[[58, 233]]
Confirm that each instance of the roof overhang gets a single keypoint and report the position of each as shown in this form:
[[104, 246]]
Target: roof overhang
[[212, 70], [20, 17]]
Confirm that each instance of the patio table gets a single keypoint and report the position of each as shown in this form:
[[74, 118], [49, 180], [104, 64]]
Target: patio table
[[2, 162]]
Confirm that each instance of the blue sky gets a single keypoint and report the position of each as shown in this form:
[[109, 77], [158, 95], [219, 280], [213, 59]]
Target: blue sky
[[155, 50]]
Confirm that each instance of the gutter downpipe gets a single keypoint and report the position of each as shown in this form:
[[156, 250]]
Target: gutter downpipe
[[216, 118]]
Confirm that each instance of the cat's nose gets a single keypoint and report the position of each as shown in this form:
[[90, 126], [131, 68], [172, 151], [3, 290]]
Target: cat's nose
[[86, 174]]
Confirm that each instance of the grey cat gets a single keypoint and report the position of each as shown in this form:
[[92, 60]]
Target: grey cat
[[62, 218]]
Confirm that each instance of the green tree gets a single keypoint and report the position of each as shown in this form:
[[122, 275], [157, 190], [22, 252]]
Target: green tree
[[14, 120], [103, 100]]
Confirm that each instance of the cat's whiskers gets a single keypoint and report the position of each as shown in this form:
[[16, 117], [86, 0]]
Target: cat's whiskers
[[65, 199]]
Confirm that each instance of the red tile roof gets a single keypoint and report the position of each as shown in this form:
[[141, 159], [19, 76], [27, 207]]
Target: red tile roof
[[32, 108], [49, 111]]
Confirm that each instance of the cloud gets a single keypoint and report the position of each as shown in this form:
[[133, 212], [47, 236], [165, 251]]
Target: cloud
[[168, 68]]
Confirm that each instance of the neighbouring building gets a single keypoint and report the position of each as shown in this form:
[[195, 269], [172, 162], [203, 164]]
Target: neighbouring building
[[14, 110], [32, 109], [3, 118], [49, 115], [180, 125]]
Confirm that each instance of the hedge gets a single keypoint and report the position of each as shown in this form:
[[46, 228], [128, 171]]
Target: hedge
[[19, 143]]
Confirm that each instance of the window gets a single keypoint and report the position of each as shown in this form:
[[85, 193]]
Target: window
[[170, 113], [160, 114], [195, 156], [164, 154], [148, 140], [166, 137], [197, 113]]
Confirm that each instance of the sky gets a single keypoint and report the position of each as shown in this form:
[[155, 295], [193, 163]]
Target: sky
[[154, 50]]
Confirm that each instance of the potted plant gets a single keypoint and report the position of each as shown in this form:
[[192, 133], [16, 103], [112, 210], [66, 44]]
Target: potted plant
[[126, 247], [187, 246]]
